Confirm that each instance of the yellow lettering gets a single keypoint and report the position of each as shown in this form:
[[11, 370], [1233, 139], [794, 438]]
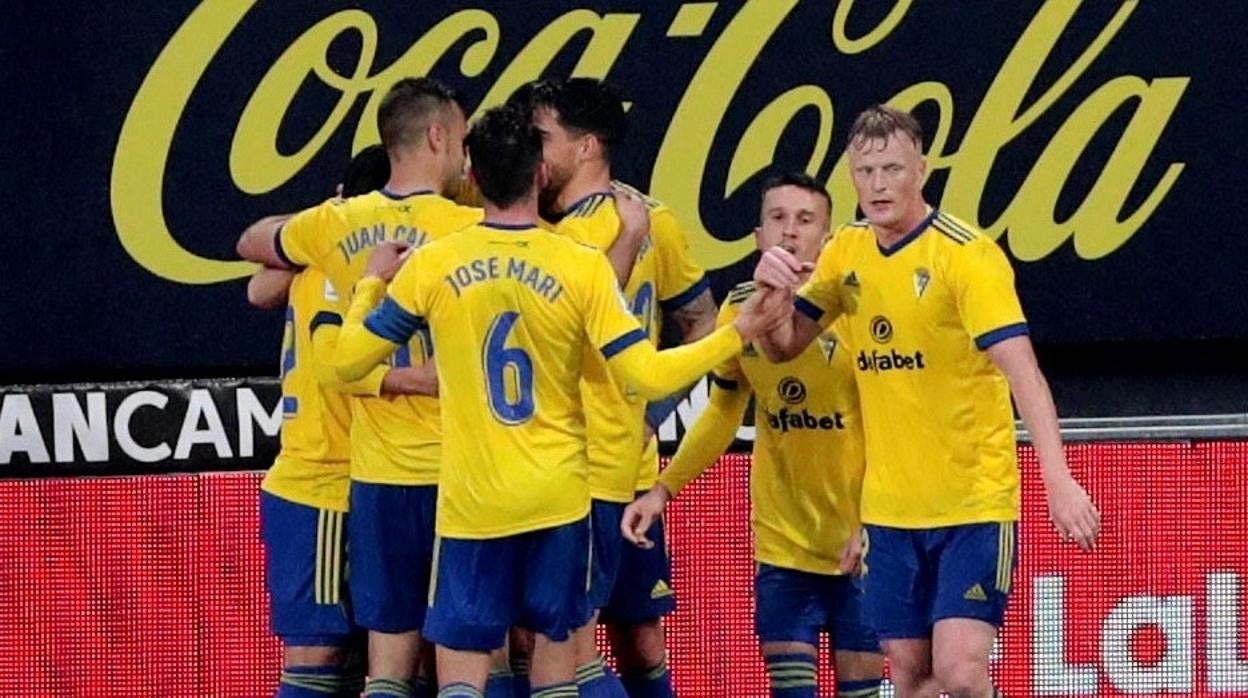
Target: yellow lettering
[[255, 163], [998, 121], [1096, 226], [846, 45], [137, 183], [757, 148], [419, 59], [682, 158], [609, 34]]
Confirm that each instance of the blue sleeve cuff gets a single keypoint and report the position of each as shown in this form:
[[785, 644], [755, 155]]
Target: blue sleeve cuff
[[324, 317], [392, 323], [281, 251], [724, 383], [682, 299], [1001, 334], [808, 309], [657, 412], [623, 342]]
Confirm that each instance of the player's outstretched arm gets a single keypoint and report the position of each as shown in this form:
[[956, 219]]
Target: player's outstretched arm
[[258, 242], [267, 289], [655, 374], [1070, 507]]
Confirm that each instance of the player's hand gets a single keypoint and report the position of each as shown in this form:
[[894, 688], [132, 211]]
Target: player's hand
[[779, 268], [411, 380], [763, 312], [634, 215], [386, 260], [1072, 512], [851, 555], [641, 514]]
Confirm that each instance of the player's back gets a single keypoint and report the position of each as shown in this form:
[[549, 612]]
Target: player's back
[[509, 309], [311, 468], [394, 439]]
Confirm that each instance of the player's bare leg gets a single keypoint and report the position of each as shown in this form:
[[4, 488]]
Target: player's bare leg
[[910, 667], [960, 650], [462, 667], [393, 656], [554, 663], [865, 669]]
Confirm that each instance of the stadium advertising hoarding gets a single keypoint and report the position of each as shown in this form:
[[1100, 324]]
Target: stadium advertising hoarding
[[1064, 129], [154, 584]]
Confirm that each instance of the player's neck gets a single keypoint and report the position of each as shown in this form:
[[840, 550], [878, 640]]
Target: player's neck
[[591, 178], [891, 235], [415, 173], [522, 212]]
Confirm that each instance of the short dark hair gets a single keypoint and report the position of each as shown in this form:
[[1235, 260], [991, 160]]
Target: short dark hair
[[585, 105], [409, 107], [368, 171], [533, 94], [880, 121], [798, 179], [506, 149]]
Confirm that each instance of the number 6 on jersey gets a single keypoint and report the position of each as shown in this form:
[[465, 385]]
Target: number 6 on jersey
[[508, 373]]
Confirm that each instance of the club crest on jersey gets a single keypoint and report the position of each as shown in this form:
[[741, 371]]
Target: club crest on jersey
[[921, 279], [827, 346]]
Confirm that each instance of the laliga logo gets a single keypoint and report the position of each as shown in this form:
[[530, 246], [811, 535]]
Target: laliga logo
[[1012, 104]]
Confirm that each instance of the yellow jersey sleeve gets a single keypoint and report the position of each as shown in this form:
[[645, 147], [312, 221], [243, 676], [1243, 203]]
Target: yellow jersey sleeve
[[611, 326], [361, 346], [679, 278], [305, 238], [716, 427], [987, 303], [820, 298], [326, 327]]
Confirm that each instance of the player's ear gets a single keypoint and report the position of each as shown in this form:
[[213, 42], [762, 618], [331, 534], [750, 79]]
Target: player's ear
[[436, 136], [922, 168], [542, 176]]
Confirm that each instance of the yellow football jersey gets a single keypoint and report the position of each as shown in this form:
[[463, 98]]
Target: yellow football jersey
[[679, 280], [936, 411], [511, 308], [311, 468], [806, 479], [395, 439], [663, 278]]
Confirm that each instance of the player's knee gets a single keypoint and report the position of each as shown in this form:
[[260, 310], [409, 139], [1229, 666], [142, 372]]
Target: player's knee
[[314, 656], [963, 677]]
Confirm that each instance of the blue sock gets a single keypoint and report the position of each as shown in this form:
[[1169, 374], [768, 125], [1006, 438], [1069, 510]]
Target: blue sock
[[520, 675], [566, 689], [310, 682], [594, 679], [500, 684], [791, 675], [654, 682], [389, 688], [459, 690], [865, 688]]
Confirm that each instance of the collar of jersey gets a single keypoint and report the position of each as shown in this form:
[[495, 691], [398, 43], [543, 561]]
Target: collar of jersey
[[909, 237], [399, 197], [508, 226], [575, 204]]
